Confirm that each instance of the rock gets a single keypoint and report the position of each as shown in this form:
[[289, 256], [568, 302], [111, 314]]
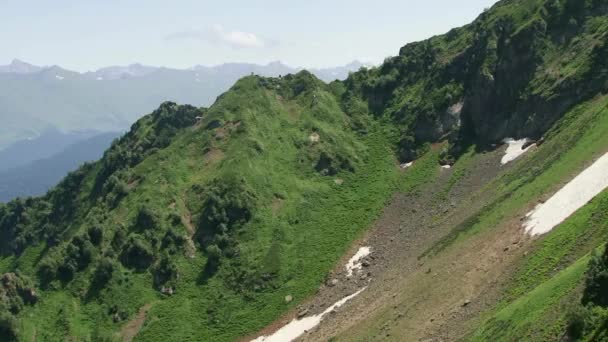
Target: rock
[[363, 276], [288, 298], [466, 303], [506, 249], [167, 290], [314, 137], [527, 144], [214, 124], [332, 282], [302, 313], [365, 263], [428, 271], [540, 141]]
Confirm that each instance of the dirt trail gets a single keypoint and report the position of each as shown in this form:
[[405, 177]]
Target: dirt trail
[[131, 329], [186, 219]]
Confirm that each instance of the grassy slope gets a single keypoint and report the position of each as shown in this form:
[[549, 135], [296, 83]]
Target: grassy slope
[[570, 147], [303, 223], [535, 307], [522, 314]]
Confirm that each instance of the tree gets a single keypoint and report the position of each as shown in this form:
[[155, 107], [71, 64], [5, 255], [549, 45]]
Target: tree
[[596, 289]]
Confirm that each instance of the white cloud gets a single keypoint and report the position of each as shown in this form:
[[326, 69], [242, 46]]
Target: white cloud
[[217, 34]]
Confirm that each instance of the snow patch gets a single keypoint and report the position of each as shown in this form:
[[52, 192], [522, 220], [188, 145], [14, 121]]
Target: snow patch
[[297, 327], [514, 150], [100, 78], [354, 262], [447, 167], [59, 77], [569, 199], [407, 165]]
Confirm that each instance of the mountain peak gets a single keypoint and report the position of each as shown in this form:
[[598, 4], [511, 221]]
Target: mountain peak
[[18, 66]]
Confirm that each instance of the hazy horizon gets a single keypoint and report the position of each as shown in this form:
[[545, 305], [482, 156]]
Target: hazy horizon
[[86, 36]]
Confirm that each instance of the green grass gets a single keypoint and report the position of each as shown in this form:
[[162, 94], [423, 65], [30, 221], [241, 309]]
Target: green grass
[[532, 316], [532, 305]]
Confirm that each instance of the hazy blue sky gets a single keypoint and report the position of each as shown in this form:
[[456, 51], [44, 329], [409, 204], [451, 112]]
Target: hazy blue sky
[[87, 34]]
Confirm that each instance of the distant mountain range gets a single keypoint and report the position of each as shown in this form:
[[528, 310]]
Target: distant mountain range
[[34, 99], [36, 176], [53, 119]]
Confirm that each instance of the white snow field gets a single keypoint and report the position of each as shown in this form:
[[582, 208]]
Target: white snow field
[[514, 150], [297, 327], [569, 199]]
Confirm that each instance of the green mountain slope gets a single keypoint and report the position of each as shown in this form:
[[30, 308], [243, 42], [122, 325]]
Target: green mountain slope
[[200, 222]]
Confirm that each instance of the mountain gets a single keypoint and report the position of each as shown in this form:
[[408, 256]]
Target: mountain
[[36, 177], [19, 67], [47, 144], [456, 192], [110, 99]]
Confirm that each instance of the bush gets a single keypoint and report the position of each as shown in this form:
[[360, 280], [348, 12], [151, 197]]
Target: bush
[[596, 287], [137, 254], [8, 327], [103, 273], [146, 219], [165, 271], [96, 234], [229, 204], [577, 318]]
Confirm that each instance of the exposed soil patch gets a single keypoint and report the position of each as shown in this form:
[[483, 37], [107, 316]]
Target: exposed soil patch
[[213, 156], [277, 204]]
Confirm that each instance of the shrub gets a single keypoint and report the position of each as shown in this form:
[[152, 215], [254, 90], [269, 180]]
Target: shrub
[[103, 273], [96, 234], [165, 271], [137, 254], [596, 287], [229, 204], [8, 327], [146, 219]]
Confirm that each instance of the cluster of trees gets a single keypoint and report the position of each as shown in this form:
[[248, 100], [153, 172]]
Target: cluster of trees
[[228, 205], [66, 260], [26, 222], [16, 290]]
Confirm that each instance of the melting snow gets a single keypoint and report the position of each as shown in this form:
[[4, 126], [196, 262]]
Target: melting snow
[[569, 199], [297, 327], [354, 262], [514, 150]]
